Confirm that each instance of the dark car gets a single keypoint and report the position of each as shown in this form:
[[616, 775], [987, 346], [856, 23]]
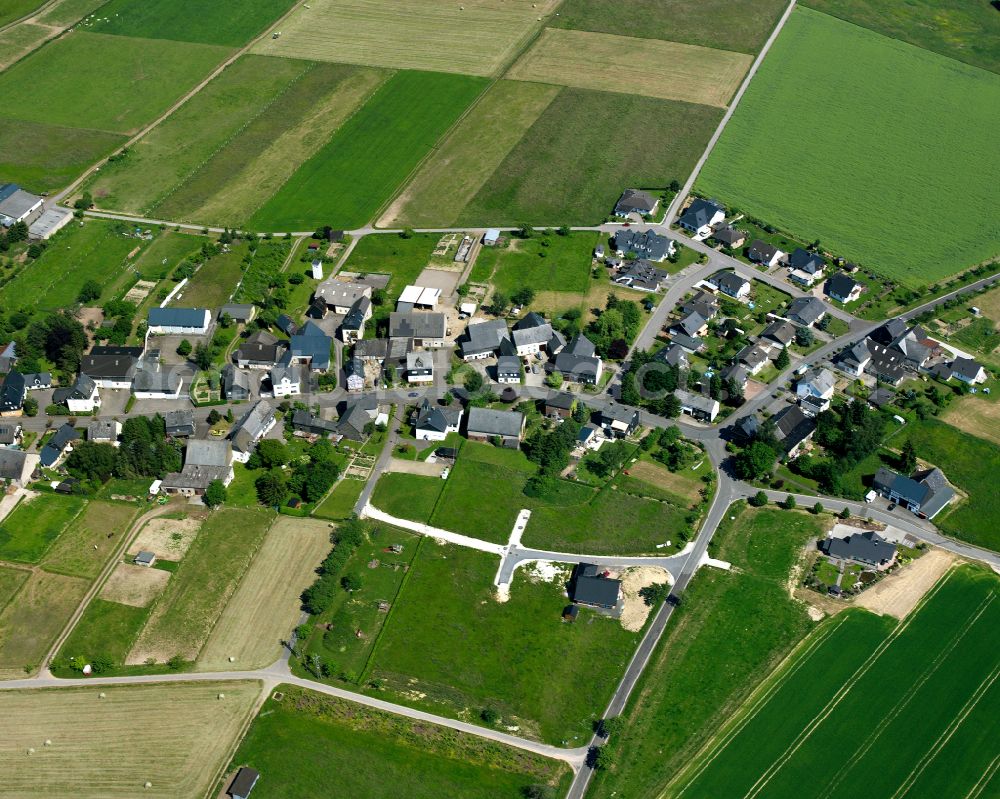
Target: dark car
[[892, 506], [414, 394]]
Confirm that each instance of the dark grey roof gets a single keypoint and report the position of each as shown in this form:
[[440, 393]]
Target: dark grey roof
[[306, 421], [729, 282], [37, 380], [483, 337], [179, 421], [240, 311], [928, 490], [207, 452], [177, 317], [581, 347], [260, 347], [509, 366], [243, 782], [699, 213], [417, 324], [55, 446], [312, 343], [881, 397], [692, 323], [490, 422], [779, 330], [689, 343], [235, 381], [102, 430], [966, 367], [647, 244], [591, 588], [614, 412], [809, 262], [673, 354], [164, 382], [762, 251], [355, 319], [286, 325], [12, 463], [728, 235], [839, 285], [251, 426], [806, 310], [12, 392], [641, 274], [867, 547], [376, 348], [430, 416], [563, 400], [532, 329], [635, 200], [792, 427]]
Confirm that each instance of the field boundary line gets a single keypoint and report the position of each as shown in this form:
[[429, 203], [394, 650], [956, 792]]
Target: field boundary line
[[984, 780], [390, 73], [949, 731], [755, 703], [905, 699], [151, 209], [848, 686], [266, 686]]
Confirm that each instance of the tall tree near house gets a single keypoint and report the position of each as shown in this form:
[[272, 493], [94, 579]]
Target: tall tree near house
[[783, 360], [908, 457]]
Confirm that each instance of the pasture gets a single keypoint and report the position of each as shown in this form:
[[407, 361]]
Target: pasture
[[215, 281], [189, 607], [299, 741], [34, 524], [540, 181], [339, 503], [479, 37], [109, 83], [176, 149], [457, 169], [95, 250], [732, 630], [201, 21], [407, 496], [976, 416], [174, 736], [11, 580], [969, 32], [741, 27], [936, 675], [15, 9], [85, 546], [542, 263], [606, 62], [265, 607], [34, 617], [371, 154], [449, 639], [402, 259], [916, 125], [57, 155], [105, 630], [17, 42]]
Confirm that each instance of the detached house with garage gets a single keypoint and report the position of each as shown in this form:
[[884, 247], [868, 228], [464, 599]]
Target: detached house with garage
[[251, 428], [649, 246], [260, 351], [868, 549], [731, 284], [701, 217], [729, 237], [842, 288], [926, 493], [578, 362], [698, 406], [12, 394], [339, 296], [806, 311], [619, 421], [805, 267], [765, 254], [433, 423], [636, 201], [81, 397]]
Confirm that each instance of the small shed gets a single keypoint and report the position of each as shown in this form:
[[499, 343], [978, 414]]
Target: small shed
[[491, 237], [570, 612], [67, 486], [317, 269], [243, 783], [144, 558]]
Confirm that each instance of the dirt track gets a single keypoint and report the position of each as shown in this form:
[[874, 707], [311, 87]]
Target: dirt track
[[899, 593]]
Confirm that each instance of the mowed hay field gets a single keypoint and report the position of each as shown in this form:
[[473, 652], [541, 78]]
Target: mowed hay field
[[475, 37], [109, 83], [33, 618], [541, 180], [372, 153], [57, 154], [202, 21], [174, 736], [650, 67], [459, 166], [902, 129], [266, 606], [37, 520], [738, 25], [817, 730], [90, 539], [189, 607]]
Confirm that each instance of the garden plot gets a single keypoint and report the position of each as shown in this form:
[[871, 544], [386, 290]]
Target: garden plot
[[476, 37], [605, 62], [168, 538]]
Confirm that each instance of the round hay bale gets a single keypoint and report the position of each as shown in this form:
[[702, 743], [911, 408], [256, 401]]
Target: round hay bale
[[101, 695], [147, 784], [48, 742], [222, 696]]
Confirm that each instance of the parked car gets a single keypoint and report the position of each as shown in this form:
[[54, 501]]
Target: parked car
[[414, 394], [892, 506]]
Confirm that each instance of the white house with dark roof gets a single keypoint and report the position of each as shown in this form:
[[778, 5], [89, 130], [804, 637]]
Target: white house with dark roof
[[806, 311], [701, 217], [286, 380], [578, 361], [765, 254], [508, 369], [730, 284], [636, 201], [531, 334], [868, 548], [179, 321], [81, 397], [484, 424], [419, 368], [17, 466], [968, 371], [251, 428], [842, 288], [432, 422], [157, 384], [698, 406], [805, 267], [340, 296], [647, 245], [925, 493]]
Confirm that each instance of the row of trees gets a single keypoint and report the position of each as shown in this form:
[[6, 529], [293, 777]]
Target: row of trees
[[348, 537], [145, 451], [309, 478]]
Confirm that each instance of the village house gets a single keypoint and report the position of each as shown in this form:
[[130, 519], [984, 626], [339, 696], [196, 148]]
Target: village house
[[968, 371], [816, 383], [765, 254], [17, 466], [673, 355], [179, 423], [110, 366], [11, 435], [693, 324], [731, 284], [926, 493], [419, 368], [38, 381], [81, 397], [729, 237], [842, 288], [590, 586], [12, 394], [358, 414], [235, 383], [240, 312], [532, 334], [354, 374], [508, 369], [703, 303], [619, 421], [261, 350], [204, 462], [560, 406], [425, 329], [636, 201], [103, 431], [484, 424], [352, 328], [58, 445], [868, 549], [690, 344], [806, 311], [701, 217], [794, 429], [698, 406], [431, 422], [641, 275], [286, 380], [578, 362], [648, 245], [179, 321], [311, 347], [778, 333], [339, 296], [157, 384], [251, 428], [306, 422], [805, 267], [754, 357]]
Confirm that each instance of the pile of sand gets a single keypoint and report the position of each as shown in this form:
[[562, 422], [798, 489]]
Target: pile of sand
[[635, 610]]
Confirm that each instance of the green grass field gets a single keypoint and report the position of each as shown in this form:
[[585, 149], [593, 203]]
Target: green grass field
[[85, 546], [374, 151], [739, 26], [184, 144], [109, 83], [460, 165], [969, 32], [541, 182], [105, 630], [11, 581], [201, 21], [56, 156], [34, 524], [936, 679], [339, 503], [188, 608], [95, 251], [215, 281], [407, 496], [466, 651], [542, 263], [15, 9], [298, 742], [915, 124], [968, 462], [732, 630], [404, 259]]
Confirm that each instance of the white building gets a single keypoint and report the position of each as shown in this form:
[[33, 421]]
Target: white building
[[179, 321]]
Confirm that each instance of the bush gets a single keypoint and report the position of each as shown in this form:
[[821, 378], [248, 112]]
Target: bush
[[317, 597], [758, 500], [489, 716], [789, 503], [817, 508]]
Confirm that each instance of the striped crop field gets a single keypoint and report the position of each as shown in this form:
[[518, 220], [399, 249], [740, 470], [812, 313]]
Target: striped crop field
[[891, 711]]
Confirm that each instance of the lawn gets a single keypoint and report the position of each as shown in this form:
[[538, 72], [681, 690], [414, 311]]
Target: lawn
[[185, 143], [56, 156], [11, 580], [742, 27], [34, 524], [969, 32], [407, 496], [731, 631], [110, 83], [970, 463], [105, 630], [298, 742], [450, 639], [458, 167], [17, 42], [190, 606], [541, 263], [371, 154], [201, 21], [479, 37], [15, 9], [265, 607], [540, 181], [33, 618], [88, 542], [388, 254], [936, 680], [175, 738], [215, 281], [96, 250], [914, 122], [339, 503], [604, 62]]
